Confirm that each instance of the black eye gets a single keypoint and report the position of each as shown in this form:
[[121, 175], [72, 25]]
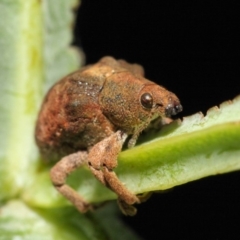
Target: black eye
[[147, 100]]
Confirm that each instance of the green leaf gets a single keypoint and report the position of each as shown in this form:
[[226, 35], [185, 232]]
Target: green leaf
[[18, 221], [181, 152], [21, 75], [21, 222], [35, 53]]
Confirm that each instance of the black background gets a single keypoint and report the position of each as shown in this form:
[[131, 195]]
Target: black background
[[191, 48]]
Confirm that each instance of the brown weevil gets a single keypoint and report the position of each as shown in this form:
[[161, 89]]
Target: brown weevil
[[86, 117]]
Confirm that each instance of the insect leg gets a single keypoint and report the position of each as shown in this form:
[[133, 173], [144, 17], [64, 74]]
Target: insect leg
[[59, 173], [102, 160]]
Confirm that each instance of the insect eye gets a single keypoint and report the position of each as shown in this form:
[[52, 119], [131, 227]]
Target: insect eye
[[147, 100]]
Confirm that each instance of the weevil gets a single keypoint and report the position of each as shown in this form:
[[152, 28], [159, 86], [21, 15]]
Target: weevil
[[86, 117]]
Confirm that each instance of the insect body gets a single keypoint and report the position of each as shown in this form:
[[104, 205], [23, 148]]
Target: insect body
[[86, 117]]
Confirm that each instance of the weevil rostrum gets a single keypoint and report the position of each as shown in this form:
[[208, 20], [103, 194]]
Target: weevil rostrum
[[86, 117]]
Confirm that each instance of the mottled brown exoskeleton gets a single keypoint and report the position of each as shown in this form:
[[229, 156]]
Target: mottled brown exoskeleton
[[86, 117]]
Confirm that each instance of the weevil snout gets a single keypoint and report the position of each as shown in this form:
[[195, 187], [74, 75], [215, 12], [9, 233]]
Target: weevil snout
[[173, 108]]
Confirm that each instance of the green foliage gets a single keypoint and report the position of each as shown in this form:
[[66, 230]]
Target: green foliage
[[35, 53], [181, 152]]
